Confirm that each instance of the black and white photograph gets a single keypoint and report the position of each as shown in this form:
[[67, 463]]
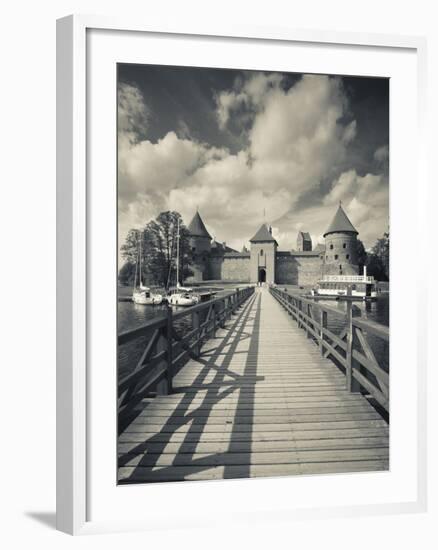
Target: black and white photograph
[[253, 274]]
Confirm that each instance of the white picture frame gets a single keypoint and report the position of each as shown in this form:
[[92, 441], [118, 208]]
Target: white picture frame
[[76, 214]]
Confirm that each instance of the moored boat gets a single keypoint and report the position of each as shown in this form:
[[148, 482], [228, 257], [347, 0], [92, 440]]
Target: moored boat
[[363, 287], [144, 296], [183, 296]]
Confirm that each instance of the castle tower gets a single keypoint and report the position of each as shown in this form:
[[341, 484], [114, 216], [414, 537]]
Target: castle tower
[[340, 246], [304, 242], [263, 256], [200, 244]]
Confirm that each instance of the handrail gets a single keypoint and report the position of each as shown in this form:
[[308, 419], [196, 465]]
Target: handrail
[[351, 349], [308, 301], [377, 329], [165, 349], [134, 333]]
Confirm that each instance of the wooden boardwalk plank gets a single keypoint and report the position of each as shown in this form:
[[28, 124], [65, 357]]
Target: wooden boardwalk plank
[[259, 401], [298, 435], [256, 446], [181, 473]]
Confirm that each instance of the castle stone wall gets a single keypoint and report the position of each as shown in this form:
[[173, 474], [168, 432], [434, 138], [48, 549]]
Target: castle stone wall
[[298, 270], [287, 270], [200, 271], [236, 269], [215, 268], [347, 269]]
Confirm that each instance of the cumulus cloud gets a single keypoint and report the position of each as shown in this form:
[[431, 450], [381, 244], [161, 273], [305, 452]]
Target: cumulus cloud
[[132, 113], [297, 138], [382, 153], [149, 172], [248, 95]]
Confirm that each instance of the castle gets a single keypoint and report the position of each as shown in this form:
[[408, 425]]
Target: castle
[[265, 263]]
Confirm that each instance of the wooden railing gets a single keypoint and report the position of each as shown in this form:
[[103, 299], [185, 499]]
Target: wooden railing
[[166, 348], [350, 349]]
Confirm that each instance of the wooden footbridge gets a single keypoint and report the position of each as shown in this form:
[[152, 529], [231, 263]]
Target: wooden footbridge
[[254, 385]]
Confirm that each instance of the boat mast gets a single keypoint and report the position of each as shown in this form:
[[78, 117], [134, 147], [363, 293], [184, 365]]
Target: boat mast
[[139, 277], [136, 267], [177, 254]]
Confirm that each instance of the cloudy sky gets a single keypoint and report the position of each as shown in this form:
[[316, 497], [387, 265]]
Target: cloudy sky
[[236, 143]]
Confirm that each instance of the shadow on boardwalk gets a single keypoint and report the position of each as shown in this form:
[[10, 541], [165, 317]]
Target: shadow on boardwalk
[[244, 326]]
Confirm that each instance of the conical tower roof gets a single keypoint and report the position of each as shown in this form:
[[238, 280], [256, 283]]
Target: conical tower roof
[[263, 235], [197, 228], [340, 223]]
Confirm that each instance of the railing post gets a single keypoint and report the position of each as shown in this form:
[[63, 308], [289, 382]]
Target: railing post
[[307, 322], [323, 326], [213, 315], [222, 313], [162, 387], [195, 325], [352, 384], [169, 349]]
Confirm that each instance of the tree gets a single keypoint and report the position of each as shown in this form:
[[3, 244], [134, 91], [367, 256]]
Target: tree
[[376, 268], [381, 251], [127, 274], [159, 249], [130, 251], [361, 255], [129, 248]]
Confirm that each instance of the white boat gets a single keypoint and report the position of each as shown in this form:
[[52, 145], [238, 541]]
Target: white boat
[[145, 297], [142, 294], [183, 296], [363, 287]]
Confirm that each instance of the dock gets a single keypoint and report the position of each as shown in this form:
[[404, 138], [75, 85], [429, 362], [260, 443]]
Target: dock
[[257, 388]]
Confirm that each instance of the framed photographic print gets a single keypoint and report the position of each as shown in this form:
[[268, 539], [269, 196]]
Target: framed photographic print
[[234, 216]]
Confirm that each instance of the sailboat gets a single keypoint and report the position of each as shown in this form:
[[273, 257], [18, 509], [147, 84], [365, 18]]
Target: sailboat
[[181, 295], [142, 294]]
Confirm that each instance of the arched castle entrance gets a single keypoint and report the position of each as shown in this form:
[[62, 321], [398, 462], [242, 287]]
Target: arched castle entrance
[[262, 275]]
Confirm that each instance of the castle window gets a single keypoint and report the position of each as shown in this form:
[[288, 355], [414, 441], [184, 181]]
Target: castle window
[[344, 245], [347, 256], [331, 247], [336, 256], [261, 252]]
